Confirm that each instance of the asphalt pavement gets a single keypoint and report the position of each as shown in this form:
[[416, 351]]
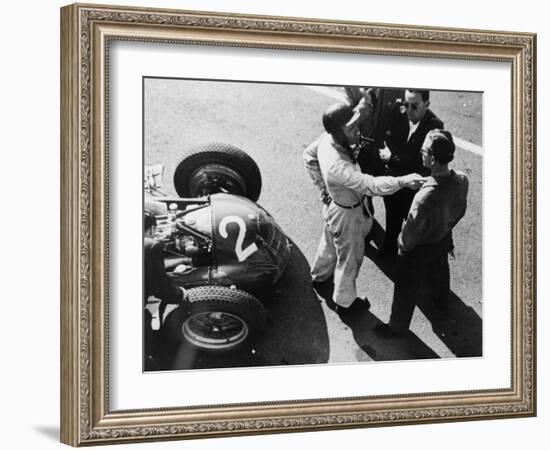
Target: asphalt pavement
[[274, 123]]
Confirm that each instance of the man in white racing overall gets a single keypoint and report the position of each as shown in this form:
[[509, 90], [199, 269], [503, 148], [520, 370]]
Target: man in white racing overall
[[331, 163]]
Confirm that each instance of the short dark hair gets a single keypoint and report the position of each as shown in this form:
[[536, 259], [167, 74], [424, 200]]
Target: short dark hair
[[425, 95], [149, 220], [442, 146], [336, 116]]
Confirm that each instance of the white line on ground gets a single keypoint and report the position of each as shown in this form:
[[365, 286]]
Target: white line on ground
[[329, 92], [468, 146], [337, 95]]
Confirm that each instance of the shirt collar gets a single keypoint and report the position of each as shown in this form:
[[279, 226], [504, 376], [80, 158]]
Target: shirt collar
[[413, 126]]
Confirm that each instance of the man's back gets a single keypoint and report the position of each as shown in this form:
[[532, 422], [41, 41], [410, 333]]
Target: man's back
[[436, 209]]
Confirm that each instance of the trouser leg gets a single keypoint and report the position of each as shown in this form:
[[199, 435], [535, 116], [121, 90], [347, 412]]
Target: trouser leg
[[397, 208], [439, 279], [410, 278], [325, 258], [349, 242], [393, 224], [370, 205]]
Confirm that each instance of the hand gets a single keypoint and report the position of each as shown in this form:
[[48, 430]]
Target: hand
[[412, 181], [326, 199], [180, 268], [385, 154]]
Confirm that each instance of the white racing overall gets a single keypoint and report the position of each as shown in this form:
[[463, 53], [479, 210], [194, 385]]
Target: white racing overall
[[347, 220]]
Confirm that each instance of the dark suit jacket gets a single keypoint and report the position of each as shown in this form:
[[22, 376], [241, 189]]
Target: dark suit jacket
[[406, 156], [157, 282]]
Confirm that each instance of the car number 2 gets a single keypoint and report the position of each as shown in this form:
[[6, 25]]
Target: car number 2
[[242, 253]]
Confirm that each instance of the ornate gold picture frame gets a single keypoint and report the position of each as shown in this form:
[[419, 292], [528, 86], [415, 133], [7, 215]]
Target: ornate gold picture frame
[[87, 415]]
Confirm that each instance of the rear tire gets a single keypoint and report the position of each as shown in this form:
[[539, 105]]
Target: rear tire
[[216, 318], [217, 167]]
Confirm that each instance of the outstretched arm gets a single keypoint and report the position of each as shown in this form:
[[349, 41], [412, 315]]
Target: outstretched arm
[[344, 174]]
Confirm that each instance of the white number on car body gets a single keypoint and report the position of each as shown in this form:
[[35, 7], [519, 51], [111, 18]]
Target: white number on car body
[[242, 253]]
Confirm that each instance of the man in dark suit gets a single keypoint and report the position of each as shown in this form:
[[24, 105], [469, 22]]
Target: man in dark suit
[[410, 123], [374, 107]]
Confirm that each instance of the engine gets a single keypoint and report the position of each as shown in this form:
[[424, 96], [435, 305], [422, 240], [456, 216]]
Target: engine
[[188, 237]]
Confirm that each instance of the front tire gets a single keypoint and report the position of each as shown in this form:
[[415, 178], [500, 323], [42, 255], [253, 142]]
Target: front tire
[[217, 318], [217, 167]]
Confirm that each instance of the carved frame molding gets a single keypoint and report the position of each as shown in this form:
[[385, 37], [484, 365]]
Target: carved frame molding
[[86, 32]]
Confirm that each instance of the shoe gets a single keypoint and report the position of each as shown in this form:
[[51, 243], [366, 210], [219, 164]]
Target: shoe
[[359, 304], [383, 330]]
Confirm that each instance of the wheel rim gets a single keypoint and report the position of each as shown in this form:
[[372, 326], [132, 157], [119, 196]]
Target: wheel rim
[[213, 178], [215, 330]]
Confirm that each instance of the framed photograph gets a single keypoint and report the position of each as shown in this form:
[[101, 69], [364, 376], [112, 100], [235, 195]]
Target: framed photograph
[[276, 225]]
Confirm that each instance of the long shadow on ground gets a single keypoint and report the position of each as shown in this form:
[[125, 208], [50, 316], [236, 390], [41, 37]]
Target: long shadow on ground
[[362, 324], [459, 327], [296, 331]]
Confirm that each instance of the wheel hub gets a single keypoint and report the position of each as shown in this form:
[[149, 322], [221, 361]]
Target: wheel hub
[[213, 178], [215, 330]]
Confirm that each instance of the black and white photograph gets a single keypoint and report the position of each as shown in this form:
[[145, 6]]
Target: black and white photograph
[[293, 224], [275, 225]]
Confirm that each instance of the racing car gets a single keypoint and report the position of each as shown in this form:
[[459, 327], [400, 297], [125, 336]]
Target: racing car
[[219, 244]]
